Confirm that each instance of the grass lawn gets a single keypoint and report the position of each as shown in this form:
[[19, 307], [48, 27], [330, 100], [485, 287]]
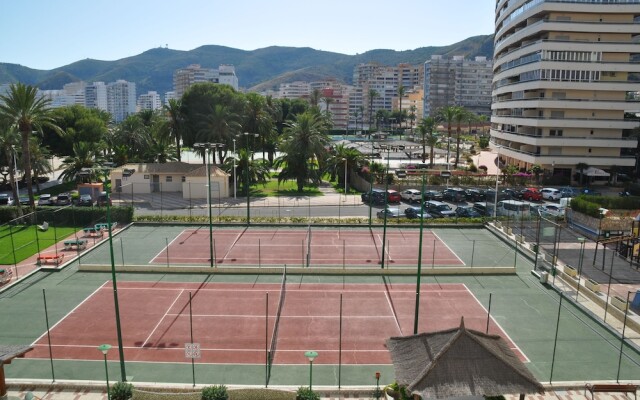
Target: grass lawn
[[285, 188], [24, 241]]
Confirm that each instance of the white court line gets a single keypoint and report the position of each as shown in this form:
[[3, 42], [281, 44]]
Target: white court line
[[70, 312], [164, 250], [386, 294], [181, 349], [162, 319], [498, 325], [283, 316], [261, 290], [447, 246]]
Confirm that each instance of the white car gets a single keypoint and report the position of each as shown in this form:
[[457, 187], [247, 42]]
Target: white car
[[551, 194], [551, 210], [6, 200], [411, 195]]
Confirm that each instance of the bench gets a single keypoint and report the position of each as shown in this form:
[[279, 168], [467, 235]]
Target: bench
[[80, 244], [611, 388], [56, 259], [105, 226], [93, 232]]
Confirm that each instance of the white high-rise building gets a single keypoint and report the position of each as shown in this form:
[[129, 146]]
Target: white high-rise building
[[149, 101], [121, 99], [185, 77], [564, 75], [227, 75], [95, 96]]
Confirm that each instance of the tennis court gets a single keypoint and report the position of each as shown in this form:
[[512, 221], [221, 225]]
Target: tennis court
[[304, 246], [244, 323]]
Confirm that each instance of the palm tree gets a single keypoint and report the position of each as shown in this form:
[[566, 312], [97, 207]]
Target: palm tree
[[257, 119], [412, 116], [536, 169], [218, 126], [335, 164], [314, 98], [425, 128], [258, 170], [401, 92], [303, 145], [447, 115], [84, 162], [9, 140], [40, 164], [25, 110], [174, 122], [372, 95], [356, 114], [460, 115]]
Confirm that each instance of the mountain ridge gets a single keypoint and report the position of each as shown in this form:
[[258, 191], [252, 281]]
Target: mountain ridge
[[258, 69]]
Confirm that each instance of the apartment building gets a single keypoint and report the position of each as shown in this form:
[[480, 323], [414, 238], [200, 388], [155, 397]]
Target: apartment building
[[457, 81], [149, 101], [565, 74], [294, 90], [95, 95], [183, 78], [121, 99]]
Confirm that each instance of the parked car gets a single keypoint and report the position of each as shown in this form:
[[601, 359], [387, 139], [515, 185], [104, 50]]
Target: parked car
[[568, 192], [514, 194], [490, 196], [590, 192], [376, 196], [85, 200], [474, 195], [44, 200], [6, 200], [482, 208], [467, 212], [411, 195], [24, 200], [102, 200], [433, 195], [438, 209], [531, 194], [390, 213], [63, 199], [416, 212], [550, 194], [551, 210], [455, 195], [393, 196]]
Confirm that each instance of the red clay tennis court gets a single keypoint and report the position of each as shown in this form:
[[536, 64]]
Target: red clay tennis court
[[234, 323], [317, 247]]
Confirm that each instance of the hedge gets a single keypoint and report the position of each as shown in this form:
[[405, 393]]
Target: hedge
[[590, 205], [238, 394], [69, 216]]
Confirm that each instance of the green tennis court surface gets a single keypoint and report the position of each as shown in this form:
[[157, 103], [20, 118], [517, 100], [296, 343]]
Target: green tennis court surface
[[527, 312]]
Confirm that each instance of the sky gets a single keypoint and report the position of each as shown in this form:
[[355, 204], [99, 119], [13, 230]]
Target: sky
[[45, 34]]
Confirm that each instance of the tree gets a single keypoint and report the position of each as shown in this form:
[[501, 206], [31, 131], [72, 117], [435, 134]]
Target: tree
[[218, 126], [536, 169], [425, 128], [9, 142], [84, 164], [256, 118], [174, 122], [372, 95], [460, 115], [335, 164], [303, 145], [40, 164], [401, 92], [257, 171], [412, 117], [448, 115], [25, 110]]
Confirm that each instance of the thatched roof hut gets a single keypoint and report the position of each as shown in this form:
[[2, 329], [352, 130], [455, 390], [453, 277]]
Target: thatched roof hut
[[459, 362]]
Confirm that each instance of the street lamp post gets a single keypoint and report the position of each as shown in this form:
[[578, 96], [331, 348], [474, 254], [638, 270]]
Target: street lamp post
[[386, 202], [311, 355], [246, 174], [345, 179], [208, 147], [15, 173], [495, 202], [377, 385], [104, 348], [235, 182], [116, 305]]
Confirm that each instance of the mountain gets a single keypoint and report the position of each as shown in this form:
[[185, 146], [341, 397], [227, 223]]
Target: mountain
[[257, 69]]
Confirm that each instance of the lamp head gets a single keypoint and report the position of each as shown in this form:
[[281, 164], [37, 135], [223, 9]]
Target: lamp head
[[377, 374], [311, 355], [104, 348]]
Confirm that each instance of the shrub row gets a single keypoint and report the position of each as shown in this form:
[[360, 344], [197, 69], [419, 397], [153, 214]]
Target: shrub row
[[68, 216], [590, 205], [125, 391]]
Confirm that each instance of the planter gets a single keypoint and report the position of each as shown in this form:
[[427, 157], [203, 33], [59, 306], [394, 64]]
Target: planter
[[498, 224], [570, 271], [520, 238], [619, 303], [508, 230], [592, 285]]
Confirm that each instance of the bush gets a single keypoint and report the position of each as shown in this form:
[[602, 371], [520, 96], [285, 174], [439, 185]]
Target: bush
[[260, 394], [305, 393], [215, 392], [121, 391]]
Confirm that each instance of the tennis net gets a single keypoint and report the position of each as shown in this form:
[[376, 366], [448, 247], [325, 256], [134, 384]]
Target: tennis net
[[276, 323]]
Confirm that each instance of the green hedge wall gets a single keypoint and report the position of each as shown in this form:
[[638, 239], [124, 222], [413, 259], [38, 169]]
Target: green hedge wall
[[69, 216], [590, 204]]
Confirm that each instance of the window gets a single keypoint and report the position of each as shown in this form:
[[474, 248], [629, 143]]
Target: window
[[555, 132], [184, 179], [169, 179]]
